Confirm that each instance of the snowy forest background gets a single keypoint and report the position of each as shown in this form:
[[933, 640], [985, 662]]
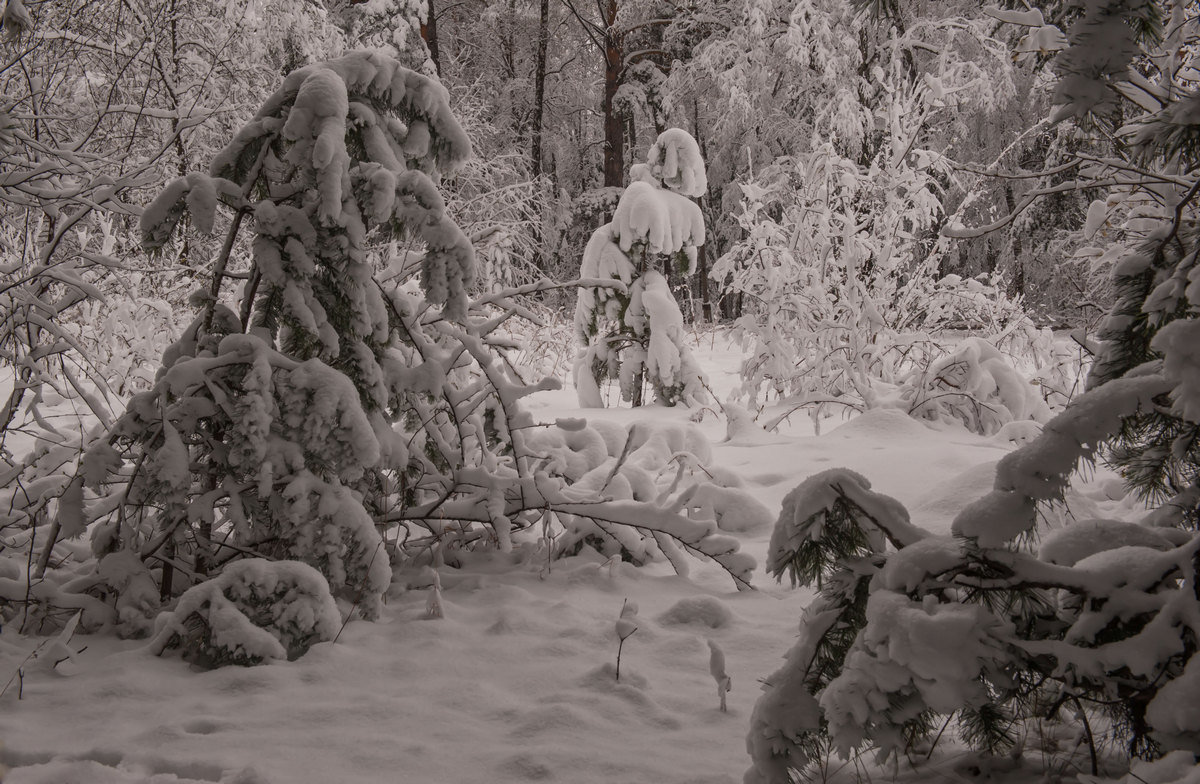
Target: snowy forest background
[[456, 391]]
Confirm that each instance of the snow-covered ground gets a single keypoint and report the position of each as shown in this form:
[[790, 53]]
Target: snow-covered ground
[[516, 682]]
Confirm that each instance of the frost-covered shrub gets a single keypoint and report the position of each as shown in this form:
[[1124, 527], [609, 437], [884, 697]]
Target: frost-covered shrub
[[976, 386], [632, 331], [839, 272], [837, 317], [125, 339], [254, 611]]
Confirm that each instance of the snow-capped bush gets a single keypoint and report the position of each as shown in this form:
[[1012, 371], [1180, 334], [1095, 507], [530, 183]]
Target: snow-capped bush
[[267, 426], [839, 269], [633, 330], [974, 385], [829, 321], [254, 611]]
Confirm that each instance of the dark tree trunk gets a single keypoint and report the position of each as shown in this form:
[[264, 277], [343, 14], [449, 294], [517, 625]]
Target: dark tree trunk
[[614, 124], [166, 586], [429, 35], [702, 252], [1017, 250], [539, 84]]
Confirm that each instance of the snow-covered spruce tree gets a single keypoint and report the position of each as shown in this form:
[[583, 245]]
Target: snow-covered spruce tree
[[634, 333], [267, 427], [1101, 623]]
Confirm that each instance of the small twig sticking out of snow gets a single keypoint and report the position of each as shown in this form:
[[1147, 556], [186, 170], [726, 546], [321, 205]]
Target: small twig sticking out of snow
[[620, 460], [60, 647], [626, 626], [611, 564], [433, 609], [547, 538], [19, 675], [716, 666]]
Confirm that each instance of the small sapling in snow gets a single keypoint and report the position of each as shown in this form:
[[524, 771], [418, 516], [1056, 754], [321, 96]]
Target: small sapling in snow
[[433, 609], [716, 666], [626, 626]]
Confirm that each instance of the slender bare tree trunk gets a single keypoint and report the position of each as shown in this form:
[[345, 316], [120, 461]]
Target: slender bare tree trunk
[[702, 251], [539, 84], [614, 123], [429, 35]]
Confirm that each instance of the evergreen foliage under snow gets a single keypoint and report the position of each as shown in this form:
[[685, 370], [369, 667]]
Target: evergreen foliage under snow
[[632, 330]]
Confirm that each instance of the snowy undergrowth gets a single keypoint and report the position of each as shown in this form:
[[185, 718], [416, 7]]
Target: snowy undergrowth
[[517, 678], [542, 632]]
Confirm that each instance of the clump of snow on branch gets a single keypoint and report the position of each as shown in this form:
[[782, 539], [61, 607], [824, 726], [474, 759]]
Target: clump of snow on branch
[[674, 161], [1040, 470]]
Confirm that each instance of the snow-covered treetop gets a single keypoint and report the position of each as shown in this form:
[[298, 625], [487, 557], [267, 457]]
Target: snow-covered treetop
[[674, 161], [665, 221], [363, 84], [341, 148], [655, 208]]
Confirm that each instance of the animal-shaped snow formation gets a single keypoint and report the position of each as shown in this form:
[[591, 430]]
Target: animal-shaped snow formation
[[674, 161]]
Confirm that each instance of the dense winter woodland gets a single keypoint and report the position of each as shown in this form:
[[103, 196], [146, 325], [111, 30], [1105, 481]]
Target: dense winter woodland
[[638, 391]]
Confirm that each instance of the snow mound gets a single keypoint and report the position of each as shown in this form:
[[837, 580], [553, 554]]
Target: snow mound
[[948, 497], [1176, 767], [87, 771], [882, 424], [697, 611], [1175, 711], [1018, 432]]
